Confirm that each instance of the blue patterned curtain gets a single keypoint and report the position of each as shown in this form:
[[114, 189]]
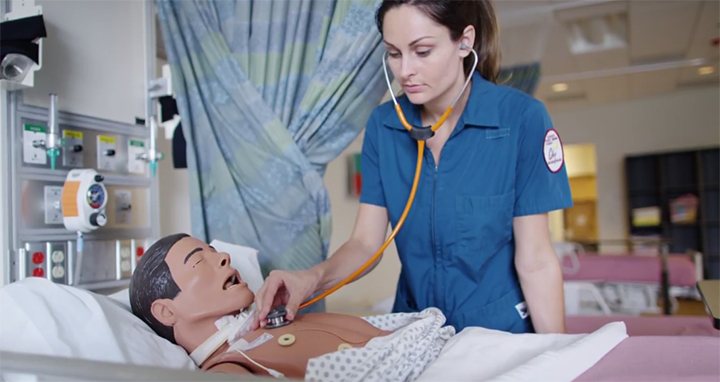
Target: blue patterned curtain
[[523, 77], [270, 92]]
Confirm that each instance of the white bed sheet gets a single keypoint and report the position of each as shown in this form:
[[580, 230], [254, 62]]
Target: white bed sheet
[[478, 354]]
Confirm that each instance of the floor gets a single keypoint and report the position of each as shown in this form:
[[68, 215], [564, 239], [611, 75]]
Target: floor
[[687, 307]]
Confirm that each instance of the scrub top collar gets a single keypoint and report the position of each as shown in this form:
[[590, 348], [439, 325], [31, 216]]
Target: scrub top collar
[[481, 110]]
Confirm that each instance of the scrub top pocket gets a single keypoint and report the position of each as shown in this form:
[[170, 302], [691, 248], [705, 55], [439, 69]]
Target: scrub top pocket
[[483, 223]]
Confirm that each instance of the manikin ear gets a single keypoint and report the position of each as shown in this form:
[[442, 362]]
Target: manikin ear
[[163, 311], [467, 39]]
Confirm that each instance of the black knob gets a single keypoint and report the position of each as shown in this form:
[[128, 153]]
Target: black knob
[[98, 219], [99, 178], [110, 152], [77, 148]]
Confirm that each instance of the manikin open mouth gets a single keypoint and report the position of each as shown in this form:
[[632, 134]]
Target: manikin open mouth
[[231, 282]]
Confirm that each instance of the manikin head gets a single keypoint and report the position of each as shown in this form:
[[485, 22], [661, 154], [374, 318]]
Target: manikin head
[[182, 285], [426, 40]]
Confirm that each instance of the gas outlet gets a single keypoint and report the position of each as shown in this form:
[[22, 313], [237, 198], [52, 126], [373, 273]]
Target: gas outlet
[[53, 209], [106, 153], [73, 149], [123, 206]]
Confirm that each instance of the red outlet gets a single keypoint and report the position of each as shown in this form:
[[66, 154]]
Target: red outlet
[[38, 258]]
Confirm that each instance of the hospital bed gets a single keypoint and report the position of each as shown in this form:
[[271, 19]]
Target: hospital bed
[[635, 359], [131, 352], [626, 284], [55, 332]]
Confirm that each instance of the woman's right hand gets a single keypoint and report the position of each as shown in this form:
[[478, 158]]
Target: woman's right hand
[[289, 288]]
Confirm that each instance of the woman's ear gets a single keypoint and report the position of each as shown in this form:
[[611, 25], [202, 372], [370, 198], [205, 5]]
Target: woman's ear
[[163, 311], [467, 41]]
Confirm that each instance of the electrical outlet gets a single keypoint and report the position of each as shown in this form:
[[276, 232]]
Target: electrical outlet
[[53, 209]]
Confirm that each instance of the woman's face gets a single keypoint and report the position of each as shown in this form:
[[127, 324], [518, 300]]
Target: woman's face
[[421, 55]]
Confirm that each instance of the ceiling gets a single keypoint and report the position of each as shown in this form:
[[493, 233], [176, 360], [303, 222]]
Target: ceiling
[[652, 47], [656, 47]]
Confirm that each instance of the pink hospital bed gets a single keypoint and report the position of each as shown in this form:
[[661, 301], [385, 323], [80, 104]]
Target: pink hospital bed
[[646, 326], [650, 358], [629, 284], [632, 269], [676, 348]]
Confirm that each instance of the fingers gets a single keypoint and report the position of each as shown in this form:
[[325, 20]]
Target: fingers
[[293, 305], [265, 298]]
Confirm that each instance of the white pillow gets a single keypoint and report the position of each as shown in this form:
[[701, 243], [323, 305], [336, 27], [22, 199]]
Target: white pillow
[[41, 317]]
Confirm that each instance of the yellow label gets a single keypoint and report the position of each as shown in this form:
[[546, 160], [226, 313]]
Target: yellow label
[[72, 134], [106, 139]]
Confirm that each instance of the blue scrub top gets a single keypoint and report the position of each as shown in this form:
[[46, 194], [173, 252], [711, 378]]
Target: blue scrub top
[[457, 244]]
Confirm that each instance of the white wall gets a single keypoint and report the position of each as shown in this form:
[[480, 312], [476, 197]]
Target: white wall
[[382, 281], [683, 120], [174, 192], [173, 183], [93, 58]]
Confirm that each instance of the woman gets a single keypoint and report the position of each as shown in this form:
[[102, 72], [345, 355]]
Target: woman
[[476, 241]]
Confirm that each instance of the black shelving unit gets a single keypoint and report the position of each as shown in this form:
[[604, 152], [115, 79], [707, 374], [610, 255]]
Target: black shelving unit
[[656, 179]]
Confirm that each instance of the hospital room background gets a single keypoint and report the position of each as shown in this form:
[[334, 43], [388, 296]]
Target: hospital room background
[[632, 87]]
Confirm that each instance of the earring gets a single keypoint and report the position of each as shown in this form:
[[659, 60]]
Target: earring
[[463, 46]]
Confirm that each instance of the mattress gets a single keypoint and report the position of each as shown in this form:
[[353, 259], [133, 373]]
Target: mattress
[[646, 326]]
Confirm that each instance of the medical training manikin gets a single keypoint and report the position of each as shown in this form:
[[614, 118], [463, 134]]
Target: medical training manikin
[[189, 294]]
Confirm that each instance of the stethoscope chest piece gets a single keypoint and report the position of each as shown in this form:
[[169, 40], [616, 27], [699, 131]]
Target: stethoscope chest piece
[[276, 318]]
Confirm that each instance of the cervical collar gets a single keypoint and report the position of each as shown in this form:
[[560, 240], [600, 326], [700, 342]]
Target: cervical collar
[[230, 329]]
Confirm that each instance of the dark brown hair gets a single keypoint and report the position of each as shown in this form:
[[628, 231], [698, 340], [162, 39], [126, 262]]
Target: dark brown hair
[[152, 281], [456, 15]]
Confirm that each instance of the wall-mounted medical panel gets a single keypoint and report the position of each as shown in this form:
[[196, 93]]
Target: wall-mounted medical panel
[[82, 147], [40, 243]]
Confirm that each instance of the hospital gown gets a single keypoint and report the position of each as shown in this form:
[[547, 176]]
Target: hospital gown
[[416, 342]]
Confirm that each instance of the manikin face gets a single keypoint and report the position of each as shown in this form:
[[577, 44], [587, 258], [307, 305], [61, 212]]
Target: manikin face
[[209, 287], [421, 54]]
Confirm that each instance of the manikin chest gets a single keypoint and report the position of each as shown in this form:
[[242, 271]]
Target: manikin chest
[[289, 348]]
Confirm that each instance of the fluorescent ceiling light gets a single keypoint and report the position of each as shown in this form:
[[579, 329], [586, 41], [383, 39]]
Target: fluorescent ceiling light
[[561, 87], [705, 70]]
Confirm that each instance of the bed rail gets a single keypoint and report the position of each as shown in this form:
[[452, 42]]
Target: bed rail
[[49, 368]]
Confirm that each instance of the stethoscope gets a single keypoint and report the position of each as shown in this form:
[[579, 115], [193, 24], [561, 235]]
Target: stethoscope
[[276, 318]]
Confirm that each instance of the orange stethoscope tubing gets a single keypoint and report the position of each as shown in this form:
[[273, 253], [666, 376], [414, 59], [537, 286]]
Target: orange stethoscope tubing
[[413, 190]]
